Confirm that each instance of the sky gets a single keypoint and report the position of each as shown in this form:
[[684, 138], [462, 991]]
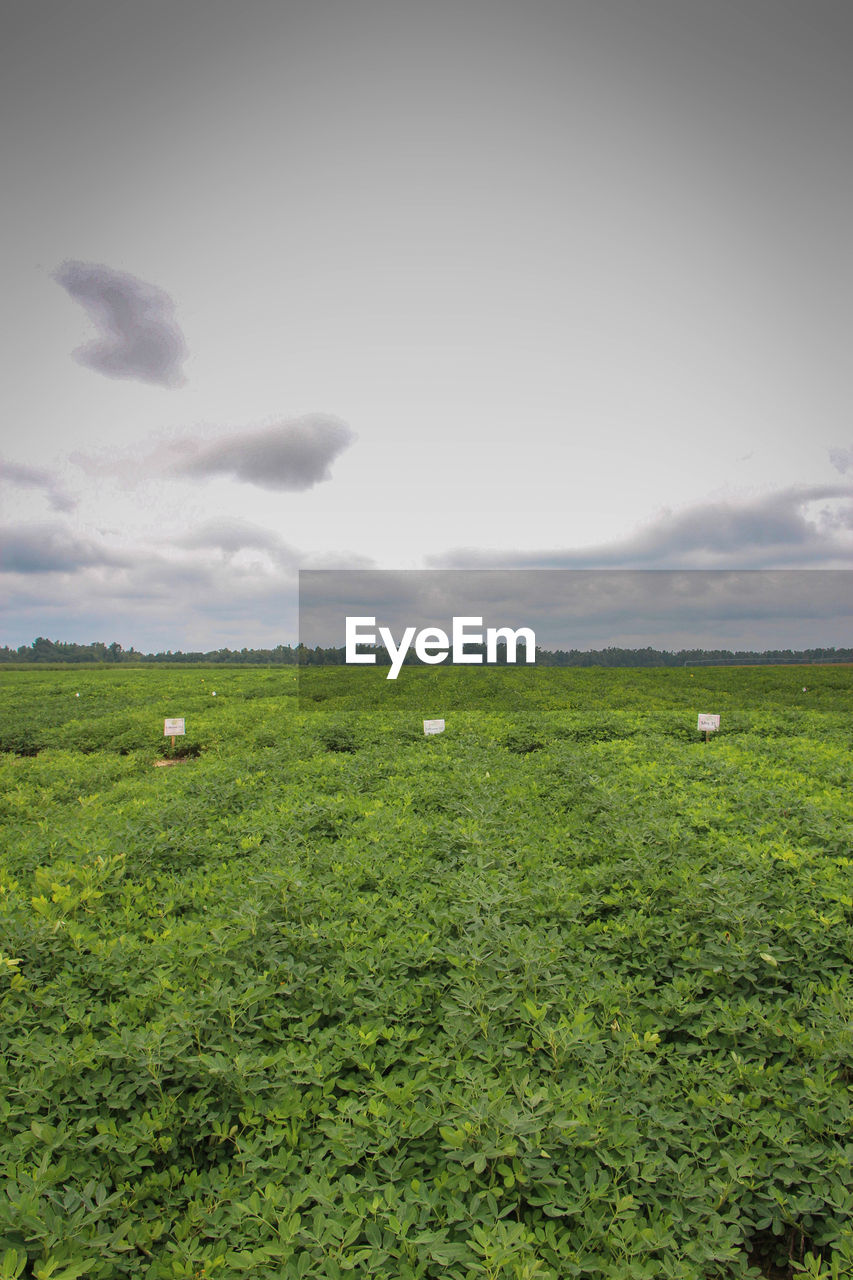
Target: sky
[[354, 284]]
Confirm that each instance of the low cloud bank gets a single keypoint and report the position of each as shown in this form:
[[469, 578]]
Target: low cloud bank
[[800, 527]]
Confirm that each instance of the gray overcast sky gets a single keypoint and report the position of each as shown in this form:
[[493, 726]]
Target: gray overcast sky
[[350, 284]]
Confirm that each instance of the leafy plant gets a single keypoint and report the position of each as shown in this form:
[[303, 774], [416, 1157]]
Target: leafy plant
[[432, 1007]]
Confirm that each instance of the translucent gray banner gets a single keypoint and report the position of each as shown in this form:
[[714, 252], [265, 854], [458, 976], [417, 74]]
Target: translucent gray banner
[[433, 637], [567, 609]]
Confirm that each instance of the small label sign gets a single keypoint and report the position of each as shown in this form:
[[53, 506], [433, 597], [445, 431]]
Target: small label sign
[[172, 728], [433, 726], [710, 724]]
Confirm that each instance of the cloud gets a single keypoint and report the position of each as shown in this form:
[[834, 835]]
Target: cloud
[[292, 455], [842, 459], [38, 478], [230, 535], [51, 548], [224, 582], [233, 537], [169, 593], [798, 527], [139, 335]]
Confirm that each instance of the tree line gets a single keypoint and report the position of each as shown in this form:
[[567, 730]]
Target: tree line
[[56, 651]]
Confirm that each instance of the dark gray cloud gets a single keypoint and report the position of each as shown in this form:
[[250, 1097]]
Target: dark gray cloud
[[139, 334], [38, 478], [803, 526], [842, 459], [292, 455], [51, 548]]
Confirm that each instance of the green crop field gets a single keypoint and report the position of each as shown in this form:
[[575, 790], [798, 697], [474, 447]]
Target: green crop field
[[562, 992]]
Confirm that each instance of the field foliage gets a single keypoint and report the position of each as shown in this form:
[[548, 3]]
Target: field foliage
[[563, 992]]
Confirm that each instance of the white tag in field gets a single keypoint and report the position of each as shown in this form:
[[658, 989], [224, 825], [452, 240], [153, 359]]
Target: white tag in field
[[710, 724], [433, 726], [171, 728]]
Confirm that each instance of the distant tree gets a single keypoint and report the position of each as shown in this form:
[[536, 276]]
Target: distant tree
[[43, 650]]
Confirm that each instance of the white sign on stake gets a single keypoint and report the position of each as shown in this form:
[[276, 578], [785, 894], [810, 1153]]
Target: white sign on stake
[[171, 728], [709, 723], [433, 726]]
